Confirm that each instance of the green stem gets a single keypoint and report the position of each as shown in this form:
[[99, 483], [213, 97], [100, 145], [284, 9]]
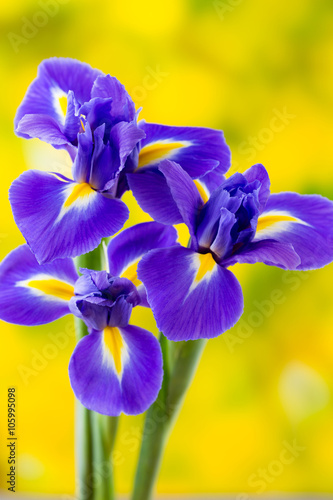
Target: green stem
[[180, 362], [95, 433], [83, 439]]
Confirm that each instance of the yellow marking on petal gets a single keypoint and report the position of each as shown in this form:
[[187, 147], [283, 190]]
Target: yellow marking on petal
[[79, 191], [56, 288], [114, 342], [131, 274], [269, 220], [157, 152], [63, 104], [207, 264], [201, 190]]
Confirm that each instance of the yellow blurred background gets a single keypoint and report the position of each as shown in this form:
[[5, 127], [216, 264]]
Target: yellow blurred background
[[265, 386]]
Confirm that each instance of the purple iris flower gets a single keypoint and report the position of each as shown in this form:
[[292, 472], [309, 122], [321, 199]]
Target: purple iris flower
[[191, 291], [118, 366], [74, 107]]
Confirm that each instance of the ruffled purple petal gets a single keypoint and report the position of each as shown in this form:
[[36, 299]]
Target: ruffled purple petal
[[33, 294], [198, 150], [259, 173], [55, 222], [305, 222], [97, 112], [123, 108], [117, 371], [187, 302]]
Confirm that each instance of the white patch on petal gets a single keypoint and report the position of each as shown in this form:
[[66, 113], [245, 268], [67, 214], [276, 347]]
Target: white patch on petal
[[164, 149], [58, 94], [279, 226]]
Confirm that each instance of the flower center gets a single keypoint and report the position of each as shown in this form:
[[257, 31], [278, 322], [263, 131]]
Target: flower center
[[206, 265], [79, 191]]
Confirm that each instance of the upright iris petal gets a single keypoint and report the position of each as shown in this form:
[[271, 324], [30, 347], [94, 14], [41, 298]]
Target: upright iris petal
[[191, 292]]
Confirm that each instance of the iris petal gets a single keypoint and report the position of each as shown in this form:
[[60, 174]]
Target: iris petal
[[117, 370], [56, 77], [56, 221], [305, 222], [191, 297], [33, 294], [197, 150]]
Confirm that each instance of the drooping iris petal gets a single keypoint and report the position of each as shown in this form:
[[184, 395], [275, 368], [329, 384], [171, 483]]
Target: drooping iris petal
[[43, 127], [62, 219], [190, 295], [117, 370], [154, 196], [126, 249], [270, 252], [305, 221], [197, 150], [184, 193], [259, 173], [55, 78], [31, 294], [123, 108]]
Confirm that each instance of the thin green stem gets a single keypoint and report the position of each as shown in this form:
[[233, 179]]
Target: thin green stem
[[102, 445], [180, 362], [95, 433], [83, 440]]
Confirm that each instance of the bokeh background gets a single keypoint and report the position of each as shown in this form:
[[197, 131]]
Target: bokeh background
[[267, 384]]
